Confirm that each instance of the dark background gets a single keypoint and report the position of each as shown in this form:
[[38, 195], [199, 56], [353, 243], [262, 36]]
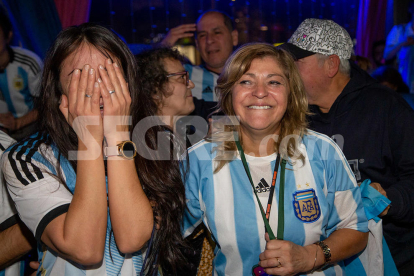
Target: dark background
[[270, 21]]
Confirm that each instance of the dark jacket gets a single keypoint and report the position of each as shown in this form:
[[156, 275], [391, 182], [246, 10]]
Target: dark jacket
[[374, 126]]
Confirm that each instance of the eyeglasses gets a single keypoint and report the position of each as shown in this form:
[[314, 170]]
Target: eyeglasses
[[183, 73]]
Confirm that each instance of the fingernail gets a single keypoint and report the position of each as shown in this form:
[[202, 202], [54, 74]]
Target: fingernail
[[99, 80], [96, 84], [91, 71], [101, 67], [86, 66], [116, 65], [76, 71], [109, 61]]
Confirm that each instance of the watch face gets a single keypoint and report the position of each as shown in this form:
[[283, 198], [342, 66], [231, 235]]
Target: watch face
[[129, 149]]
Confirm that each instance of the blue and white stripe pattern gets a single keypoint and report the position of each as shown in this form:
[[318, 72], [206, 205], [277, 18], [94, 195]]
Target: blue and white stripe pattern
[[16, 269], [225, 202], [205, 82], [8, 212], [306, 195], [20, 81], [28, 172]]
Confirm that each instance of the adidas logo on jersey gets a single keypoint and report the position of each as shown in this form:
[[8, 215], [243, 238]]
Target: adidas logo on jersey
[[263, 187], [208, 90]]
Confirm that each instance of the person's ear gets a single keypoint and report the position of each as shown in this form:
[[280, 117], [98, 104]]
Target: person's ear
[[235, 37], [157, 98], [332, 65], [9, 37]]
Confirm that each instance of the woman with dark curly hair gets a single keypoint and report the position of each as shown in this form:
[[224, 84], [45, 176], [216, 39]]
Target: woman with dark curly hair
[[165, 83], [162, 77]]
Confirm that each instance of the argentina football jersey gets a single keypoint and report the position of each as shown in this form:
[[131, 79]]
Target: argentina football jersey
[[20, 81], [205, 82], [31, 168], [8, 213], [225, 202]]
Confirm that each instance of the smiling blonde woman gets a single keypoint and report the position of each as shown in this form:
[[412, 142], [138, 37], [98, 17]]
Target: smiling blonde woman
[[278, 199]]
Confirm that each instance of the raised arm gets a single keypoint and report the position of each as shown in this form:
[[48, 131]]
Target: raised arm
[[173, 35], [75, 227], [80, 233], [130, 210]]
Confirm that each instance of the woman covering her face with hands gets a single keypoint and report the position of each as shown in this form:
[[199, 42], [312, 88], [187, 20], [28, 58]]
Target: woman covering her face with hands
[[90, 216], [278, 199]]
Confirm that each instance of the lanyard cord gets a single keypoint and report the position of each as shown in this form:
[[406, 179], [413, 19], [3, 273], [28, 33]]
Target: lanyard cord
[[281, 211], [272, 188], [281, 221]]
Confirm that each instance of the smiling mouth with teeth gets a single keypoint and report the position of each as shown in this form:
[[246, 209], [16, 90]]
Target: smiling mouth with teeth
[[213, 51], [259, 107]]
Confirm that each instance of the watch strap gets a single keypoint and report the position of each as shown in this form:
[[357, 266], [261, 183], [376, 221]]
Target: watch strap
[[111, 151], [326, 253], [125, 149]]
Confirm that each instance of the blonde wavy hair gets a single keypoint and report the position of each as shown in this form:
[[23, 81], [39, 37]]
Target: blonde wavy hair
[[294, 120]]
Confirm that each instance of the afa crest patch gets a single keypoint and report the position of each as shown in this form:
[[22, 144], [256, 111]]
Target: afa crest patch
[[18, 83], [306, 205]]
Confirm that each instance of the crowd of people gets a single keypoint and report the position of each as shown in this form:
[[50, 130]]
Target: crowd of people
[[264, 160]]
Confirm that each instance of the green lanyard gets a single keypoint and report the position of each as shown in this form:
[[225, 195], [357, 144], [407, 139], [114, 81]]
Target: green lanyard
[[281, 219]]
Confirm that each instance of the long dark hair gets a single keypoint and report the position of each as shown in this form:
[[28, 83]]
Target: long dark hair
[[51, 120], [165, 171], [160, 180]]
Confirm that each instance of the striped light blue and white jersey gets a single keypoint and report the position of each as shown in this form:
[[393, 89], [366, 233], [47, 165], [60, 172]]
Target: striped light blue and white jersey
[[205, 82], [320, 197], [40, 198], [8, 214], [20, 81]]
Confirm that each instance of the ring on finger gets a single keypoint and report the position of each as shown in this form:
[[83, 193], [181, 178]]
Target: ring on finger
[[111, 91], [88, 96], [280, 264]]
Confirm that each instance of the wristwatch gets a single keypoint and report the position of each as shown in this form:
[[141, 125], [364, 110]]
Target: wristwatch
[[125, 149], [326, 253]]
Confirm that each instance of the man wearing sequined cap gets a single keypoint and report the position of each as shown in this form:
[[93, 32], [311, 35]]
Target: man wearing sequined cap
[[373, 125]]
